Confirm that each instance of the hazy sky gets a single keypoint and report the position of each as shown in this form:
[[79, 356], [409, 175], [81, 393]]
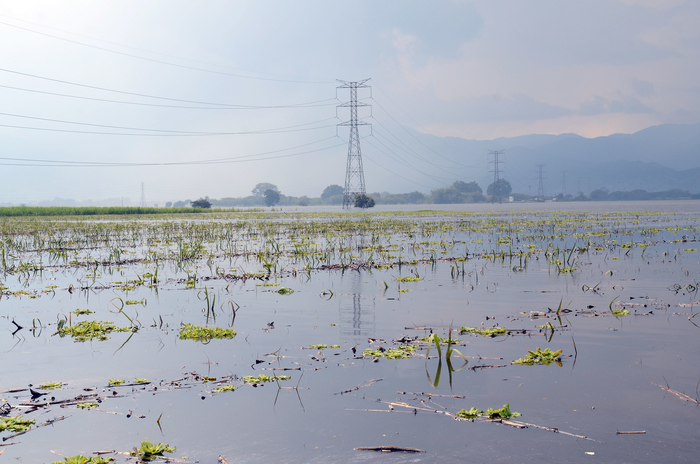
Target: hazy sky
[[470, 69]]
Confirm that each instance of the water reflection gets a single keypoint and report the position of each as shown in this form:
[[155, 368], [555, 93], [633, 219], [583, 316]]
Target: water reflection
[[355, 320]]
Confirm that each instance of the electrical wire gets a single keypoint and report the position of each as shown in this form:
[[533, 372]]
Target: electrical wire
[[105, 89], [152, 60]]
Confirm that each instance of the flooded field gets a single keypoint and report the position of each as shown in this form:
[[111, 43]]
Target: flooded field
[[290, 337]]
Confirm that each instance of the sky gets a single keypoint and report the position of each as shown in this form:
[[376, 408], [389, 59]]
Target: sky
[[233, 93]]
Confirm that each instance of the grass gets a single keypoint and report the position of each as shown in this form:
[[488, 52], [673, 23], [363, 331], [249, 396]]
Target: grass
[[204, 334], [16, 424], [539, 356]]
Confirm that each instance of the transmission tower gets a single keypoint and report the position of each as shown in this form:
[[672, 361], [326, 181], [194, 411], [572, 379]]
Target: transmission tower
[[496, 194], [354, 174], [143, 195], [540, 188]]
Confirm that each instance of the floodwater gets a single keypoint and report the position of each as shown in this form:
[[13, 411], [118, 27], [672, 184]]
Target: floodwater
[[622, 372]]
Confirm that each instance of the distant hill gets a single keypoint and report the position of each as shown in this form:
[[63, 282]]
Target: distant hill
[[657, 158]]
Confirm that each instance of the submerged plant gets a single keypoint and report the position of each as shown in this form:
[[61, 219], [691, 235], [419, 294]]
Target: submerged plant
[[16, 424], [204, 334], [149, 451], [540, 356]]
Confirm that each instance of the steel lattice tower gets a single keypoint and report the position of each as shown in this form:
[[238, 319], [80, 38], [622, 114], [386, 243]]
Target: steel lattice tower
[[496, 176], [354, 173], [540, 188]]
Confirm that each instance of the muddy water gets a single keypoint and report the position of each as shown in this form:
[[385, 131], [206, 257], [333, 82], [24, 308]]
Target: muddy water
[[615, 375]]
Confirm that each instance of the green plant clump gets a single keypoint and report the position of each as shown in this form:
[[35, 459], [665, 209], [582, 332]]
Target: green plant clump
[[225, 388], [91, 330], [540, 356], [262, 378], [51, 385], [471, 414], [115, 382], [204, 334], [149, 451], [484, 331], [621, 312], [400, 353], [408, 279], [503, 413], [320, 346], [285, 291], [443, 341], [86, 405], [82, 312], [80, 459], [16, 424], [139, 380]]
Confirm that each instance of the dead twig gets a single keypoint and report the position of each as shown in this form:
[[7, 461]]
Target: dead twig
[[366, 384], [390, 449], [680, 395]]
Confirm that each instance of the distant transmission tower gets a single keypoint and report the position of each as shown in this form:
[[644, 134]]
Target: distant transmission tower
[[496, 194], [354, 174], [143, 195], [540, 188]]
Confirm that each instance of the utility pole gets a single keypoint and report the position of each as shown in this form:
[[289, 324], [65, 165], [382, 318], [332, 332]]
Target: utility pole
[[354, 173], [143, 195], [540, 188], [496, 177]]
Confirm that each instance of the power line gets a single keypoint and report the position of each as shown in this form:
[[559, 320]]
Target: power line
[[152, 60], [157, 132], [122, 92]]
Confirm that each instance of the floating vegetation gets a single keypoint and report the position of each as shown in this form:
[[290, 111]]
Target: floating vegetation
[[16, 424], [473, 413], [135, 302], [483, 331], [621, 312], [539, 356], [503, 413], [285, 291], [91, 330], [51, 385], [149, 451], [86, 405], [262, 378], [80, 459], [443, 341], [320, 346], [400, 353], [408, 279], [115, 382], [204, 334], [225, 388], [82, 312], [140, 381]]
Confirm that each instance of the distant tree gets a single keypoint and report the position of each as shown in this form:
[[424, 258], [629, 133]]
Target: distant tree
[[331, 191], [201, 203], [262, 187], [415, 197], [463, 187], [363, 201], [272, 197], [446, 196], [599, 194], [168, 204], [505, 188], [303, 201]]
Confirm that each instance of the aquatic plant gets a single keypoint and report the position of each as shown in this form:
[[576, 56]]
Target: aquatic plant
[[408, 279], [16, 424], [51, 385], [225, 388], [471, 414], [91, 330], [285, 291], [86, 405], [484, 331], [503, 413], [149, 451], [262, 378], [80, 459], [539, 356], [82, 312], [204, 334], [115, 382], [139, 381]]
